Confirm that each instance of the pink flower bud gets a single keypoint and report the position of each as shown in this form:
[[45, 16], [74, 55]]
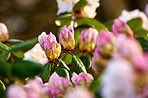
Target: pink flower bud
[[87, 39], [105, 41], [66, 38], [97, 62], [60, 85], [121, 27], [83, 79], [33, 89], [3, 32], [127, 47], [16, 91], [50, 46]]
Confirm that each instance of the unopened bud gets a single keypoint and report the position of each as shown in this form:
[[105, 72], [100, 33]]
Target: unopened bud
[[121, 27], [3, 33], [66, 38], [87, 39], [50, 46]]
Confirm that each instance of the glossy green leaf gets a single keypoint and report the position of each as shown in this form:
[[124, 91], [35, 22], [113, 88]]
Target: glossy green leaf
[[90, 21], [25, 68], [136, 25], [19, 54], [2, 90], [68, 58], [63, 64], [86, 61], [4, 47], [14, 41], [84, 26], [25, 45], [78, 64], [143, 42], [81, 4], [95, 84], [45, 73], [76, 36], [62, 73], [4, 68], [63, 20]]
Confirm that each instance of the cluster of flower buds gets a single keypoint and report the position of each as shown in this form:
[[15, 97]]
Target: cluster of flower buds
[[87, 39], [50, 46], [120, 27], [66, 38], [3, 32], [83, 79]]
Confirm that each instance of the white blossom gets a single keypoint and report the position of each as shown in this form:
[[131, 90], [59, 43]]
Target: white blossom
[[36, 54]]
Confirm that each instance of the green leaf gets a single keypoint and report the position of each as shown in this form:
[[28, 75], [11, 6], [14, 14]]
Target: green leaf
[[2, 90], [63, 20], [4, 68], [95, 84], [14, 41], [79, 66], [76, 36], [109, 24], [143, 42], [25, 68], [19, 54], [136, 25], [63, 73], [90, 21], [68, 58], [4, 47], [5, 55], [84, 26], [63, 64], [86, 61], [81, 4], [45, 73], [25, 45]]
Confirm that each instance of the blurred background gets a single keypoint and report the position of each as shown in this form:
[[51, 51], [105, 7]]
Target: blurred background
[[26, 19]]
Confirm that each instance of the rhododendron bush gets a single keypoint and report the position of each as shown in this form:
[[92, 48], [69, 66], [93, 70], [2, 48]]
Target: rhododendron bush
[[87, 59]]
